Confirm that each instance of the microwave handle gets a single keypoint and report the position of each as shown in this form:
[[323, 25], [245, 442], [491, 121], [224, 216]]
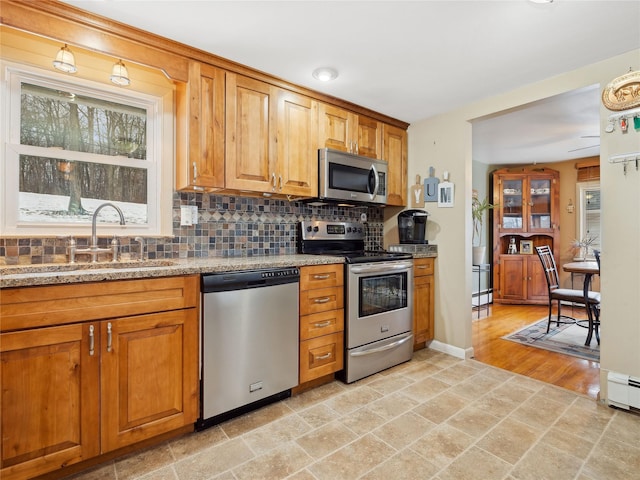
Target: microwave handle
[[377, 181]]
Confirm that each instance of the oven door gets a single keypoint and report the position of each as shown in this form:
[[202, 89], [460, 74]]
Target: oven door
[[379, 301]]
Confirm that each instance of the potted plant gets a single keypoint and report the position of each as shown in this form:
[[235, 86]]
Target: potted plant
[[478, 208]]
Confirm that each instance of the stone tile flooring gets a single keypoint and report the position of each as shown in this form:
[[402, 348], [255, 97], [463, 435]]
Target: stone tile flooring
[[436, 417]]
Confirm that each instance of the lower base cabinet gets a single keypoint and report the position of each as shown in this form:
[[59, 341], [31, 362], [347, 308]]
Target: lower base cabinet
[[73, 391], [423, 300], [321, 321]]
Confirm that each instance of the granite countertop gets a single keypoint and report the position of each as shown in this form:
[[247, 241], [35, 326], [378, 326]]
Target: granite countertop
[[56, 274]]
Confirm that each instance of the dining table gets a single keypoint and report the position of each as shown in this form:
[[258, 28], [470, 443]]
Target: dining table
[[588, 269]]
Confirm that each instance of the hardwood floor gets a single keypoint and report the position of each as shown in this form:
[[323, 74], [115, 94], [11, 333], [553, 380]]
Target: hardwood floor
[[572, 373]]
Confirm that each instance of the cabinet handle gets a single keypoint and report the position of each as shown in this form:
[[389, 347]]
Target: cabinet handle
[[321, 277], [357, 149], [322, 300], [195, 171], [109, 337], [280, 180], [273, 182], [92, 342], [323, 357], [322, 324], [422, 267]]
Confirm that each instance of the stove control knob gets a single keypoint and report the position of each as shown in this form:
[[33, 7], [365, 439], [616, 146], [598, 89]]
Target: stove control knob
[[359, 230], [308, 228], [348, 229], [315, 229]]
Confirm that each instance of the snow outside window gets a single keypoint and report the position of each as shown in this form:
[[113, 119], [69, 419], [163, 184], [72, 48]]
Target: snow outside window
[[73, 145]]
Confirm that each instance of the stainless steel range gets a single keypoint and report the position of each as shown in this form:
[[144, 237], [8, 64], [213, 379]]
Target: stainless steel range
[[378, 293]]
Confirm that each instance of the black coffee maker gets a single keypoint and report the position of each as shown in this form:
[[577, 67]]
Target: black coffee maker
[[412, 226]]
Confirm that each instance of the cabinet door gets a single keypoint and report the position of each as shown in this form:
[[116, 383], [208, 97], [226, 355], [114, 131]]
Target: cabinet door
[[200, 129], [250, 135], [336, 128], [510, 203], [513, 277], [297, 165], [541, 202], [149, 381], [50, 399], [423, 300], [368, 138], [537, 283], [394, 151]]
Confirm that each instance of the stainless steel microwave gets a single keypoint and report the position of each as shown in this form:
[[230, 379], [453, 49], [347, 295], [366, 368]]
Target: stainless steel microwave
[[345, 177]]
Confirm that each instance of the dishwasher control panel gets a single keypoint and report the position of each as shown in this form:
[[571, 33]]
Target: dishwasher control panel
[[217, 282]]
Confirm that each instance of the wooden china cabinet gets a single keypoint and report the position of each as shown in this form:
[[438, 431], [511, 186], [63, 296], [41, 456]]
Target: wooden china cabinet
[[526, 217]]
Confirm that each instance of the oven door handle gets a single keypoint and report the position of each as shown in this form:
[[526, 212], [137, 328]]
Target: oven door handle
[[382, 267], [383, 348]]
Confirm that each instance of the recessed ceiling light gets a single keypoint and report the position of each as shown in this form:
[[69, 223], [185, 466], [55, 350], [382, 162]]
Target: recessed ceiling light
[[325, 74]]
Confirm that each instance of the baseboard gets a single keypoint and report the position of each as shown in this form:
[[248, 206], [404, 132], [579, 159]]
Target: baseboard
[[464, 354]]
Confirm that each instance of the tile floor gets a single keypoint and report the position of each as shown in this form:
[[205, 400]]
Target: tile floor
[[436, 417]]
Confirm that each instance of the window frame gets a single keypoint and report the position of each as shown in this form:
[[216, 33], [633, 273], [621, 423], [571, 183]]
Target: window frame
[[159, 161], [581, 216]]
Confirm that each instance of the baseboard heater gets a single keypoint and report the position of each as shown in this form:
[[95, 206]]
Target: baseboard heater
[[623, 391]]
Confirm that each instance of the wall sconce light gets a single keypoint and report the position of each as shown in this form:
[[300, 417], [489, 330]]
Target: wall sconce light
[[120, 75], [65, 60], [570, 206], [325, 74]]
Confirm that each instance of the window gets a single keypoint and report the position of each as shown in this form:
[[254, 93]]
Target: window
[[589, 214], [72, 145]]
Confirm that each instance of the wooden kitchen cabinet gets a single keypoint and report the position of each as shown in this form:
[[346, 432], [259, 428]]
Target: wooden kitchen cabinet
[[394, 151], [271, 139], [528, 213], [343, 130], [200, 129], [80, 378], [423, 301], [321, 321]]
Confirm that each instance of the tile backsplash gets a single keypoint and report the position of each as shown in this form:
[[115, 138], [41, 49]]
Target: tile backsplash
[[228, 226]]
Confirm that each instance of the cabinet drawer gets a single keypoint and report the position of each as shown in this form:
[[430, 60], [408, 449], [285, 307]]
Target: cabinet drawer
[[423, 266], [322, 323], [321, 356], [321, 276], [321, 300], [29, 307]]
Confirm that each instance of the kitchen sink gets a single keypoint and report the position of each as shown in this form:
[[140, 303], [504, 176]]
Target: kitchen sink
[[70, 267]]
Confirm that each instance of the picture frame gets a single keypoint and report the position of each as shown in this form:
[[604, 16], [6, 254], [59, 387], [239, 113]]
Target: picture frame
[[526, 247], [445, 194]]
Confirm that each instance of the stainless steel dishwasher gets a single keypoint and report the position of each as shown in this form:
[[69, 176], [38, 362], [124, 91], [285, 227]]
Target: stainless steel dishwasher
[[249, 341]]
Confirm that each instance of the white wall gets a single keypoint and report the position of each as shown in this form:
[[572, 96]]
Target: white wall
[[444, 142]]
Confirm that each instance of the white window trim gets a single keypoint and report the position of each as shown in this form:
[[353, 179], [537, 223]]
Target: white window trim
[[581, 188], [159, 162]]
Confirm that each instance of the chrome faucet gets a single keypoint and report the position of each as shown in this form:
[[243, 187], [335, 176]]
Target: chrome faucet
[[93, 248]]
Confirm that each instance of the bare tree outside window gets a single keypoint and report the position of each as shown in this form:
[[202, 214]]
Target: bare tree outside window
[[87, 151]]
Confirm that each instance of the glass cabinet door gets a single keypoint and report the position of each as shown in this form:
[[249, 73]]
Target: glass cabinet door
[[540, 204], [511, 204]]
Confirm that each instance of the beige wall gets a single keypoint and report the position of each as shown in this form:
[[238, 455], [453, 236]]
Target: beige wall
[[444, 142]]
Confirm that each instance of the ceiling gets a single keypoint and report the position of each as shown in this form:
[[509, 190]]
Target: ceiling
[[412, 60]]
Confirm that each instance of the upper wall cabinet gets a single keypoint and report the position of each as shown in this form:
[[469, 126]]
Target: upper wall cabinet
[[251, 134], [271, 139], [394, 151], [297, 137], [200, 129], [349, 132]]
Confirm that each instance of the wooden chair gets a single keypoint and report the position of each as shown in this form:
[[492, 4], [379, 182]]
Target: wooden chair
[[562, 294]]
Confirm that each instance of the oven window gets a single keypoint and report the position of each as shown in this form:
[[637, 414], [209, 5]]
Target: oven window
[[382, 293]]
